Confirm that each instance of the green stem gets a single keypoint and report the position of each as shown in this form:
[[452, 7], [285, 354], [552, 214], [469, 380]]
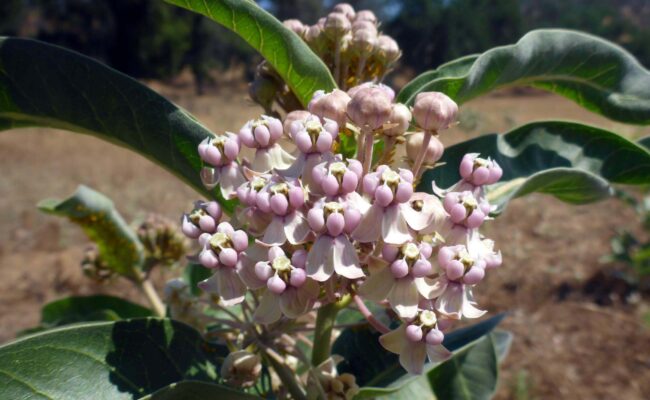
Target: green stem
[[150, 292], [288, 377], [325, 320]]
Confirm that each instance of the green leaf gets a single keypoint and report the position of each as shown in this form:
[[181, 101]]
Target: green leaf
[[596, 74], [90, 308], [378, 371], [119, 246], [471, 374], [301, 69], [105, 360], [644, 142], [571, 161], [42, 85], [191, 390]]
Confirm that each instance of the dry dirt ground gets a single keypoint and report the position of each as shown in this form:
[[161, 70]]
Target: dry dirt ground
[[565, 345]]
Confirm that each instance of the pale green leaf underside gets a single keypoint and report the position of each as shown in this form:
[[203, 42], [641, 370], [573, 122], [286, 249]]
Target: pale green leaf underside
[[571, 161], [119, 246], [596, 74], [190, 390], [302, 70], [106, 360], [42, 85]]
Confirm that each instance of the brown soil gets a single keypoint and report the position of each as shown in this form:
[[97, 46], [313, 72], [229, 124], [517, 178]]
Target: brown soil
[[565, 346]]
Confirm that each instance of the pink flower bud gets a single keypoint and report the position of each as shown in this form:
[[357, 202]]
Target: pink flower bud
[[403, 192], [399, 268], [479, 171], [316, 219], [228, 257], [434, 111], [296, 197], [455, 270], [261, 133], [383, 196], [335, 224], [389, 253], [445, 255], [331, 105], [435, 337], [364, 25], [422, 268], [330, 185], [276, 284], [475, 219], [295, 25], [366, 15], [279, 204], [363, 42], [349, 182], [275, 252], [434, 151], [293, 116], [399, 120], [414, 333], [189, 229], [299, 258], [345, 9], [336, 25], [239, 240], [474, 275], [263, 270], [425, 250], [352, 219], [387, 49], [298, 277], [208, 259]]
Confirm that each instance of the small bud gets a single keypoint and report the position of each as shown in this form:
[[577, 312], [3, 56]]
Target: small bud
[[316, 39], [345, 9], [360, 25], [434, 111], [293, 116], [363, 42], [332, 105], [336, 25], [399, 120], [387, 49], [387, 89], [295, 25], [370, 107], [366, 15], [434, 150], [241, 369]]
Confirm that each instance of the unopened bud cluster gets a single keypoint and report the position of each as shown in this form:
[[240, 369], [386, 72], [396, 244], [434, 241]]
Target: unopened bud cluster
[[348, 41]]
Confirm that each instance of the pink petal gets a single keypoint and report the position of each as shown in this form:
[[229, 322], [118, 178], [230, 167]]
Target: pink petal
[[296, 228], [395, 340], [231, 289], [269, 309], [246, 271], [404, 298], [231, 179], [469, 309], [274, 234], [209, 177], [320, 264], [345, 259], [393, 226], [450, 302], [431, 288], [369, 230], [378, 285], [412, 357], [438, 354], [279, 159], [294, 302]]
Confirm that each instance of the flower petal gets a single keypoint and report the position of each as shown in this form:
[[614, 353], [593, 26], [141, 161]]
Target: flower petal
[[231, 179], [294, 302], [320, 264], [412, 357], [395, 340], [378, 285], [246, 271], [269, 309], [231, 289], [394, 229], [346, 261], [209, 177], [469, 309], [404, 298], [431, 288], [296, 228], [438, 353], [369, 230], [274, 234], [450, 302]]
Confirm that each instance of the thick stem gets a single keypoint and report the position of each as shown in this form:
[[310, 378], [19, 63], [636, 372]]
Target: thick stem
[[369, 317], [423, 151], [325, 320], [367, 151], [150, 292]]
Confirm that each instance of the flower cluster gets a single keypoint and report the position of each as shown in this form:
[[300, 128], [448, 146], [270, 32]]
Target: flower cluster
[[317, 226]]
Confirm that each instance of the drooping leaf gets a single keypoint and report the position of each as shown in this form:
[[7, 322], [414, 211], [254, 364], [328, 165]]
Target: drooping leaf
[[470, 375], [645, 142], [596, 74], [191, 390], [75, 309], [378, 371], [119, 246], [302, 70], [105, 360], [571, 161], [42, 85]]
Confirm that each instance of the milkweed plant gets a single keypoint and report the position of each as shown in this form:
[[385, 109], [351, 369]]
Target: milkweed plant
[[338, 244]]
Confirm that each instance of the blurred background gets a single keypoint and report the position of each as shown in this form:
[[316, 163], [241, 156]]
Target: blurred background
[[574, 279]]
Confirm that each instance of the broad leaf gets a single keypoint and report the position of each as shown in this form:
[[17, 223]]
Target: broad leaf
[[470, 375], [571, 161], [645, 142], [302, 70], [596, 74], [119, 246], [42, 85], [191, 390], [378, 371], [193, 274], [90, 308], [105, 360]]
